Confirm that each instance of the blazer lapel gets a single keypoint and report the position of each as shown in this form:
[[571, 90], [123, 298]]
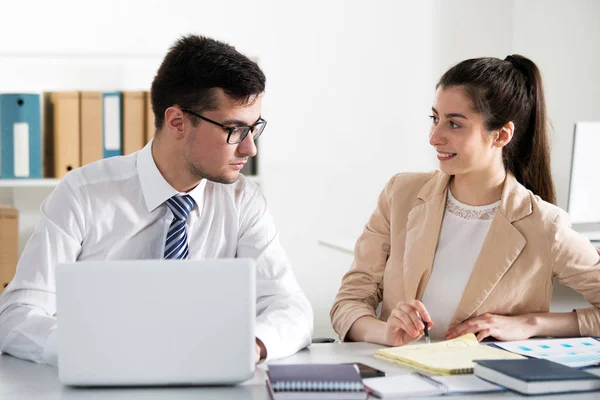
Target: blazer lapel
[[422, 232], [501, 247]]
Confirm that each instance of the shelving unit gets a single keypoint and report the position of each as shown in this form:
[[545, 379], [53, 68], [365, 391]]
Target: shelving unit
[[14, 183], [67, 71]]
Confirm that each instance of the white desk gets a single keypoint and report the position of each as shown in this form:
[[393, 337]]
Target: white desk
[[21, 380]]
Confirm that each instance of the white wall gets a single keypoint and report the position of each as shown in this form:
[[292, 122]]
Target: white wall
[[563, 38], [470, 29], [349, 87]]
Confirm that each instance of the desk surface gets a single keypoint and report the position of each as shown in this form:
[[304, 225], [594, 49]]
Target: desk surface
[[21, 380]]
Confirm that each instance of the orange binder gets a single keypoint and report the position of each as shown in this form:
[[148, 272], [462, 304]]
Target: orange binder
[[134, 121], [150, 129], [91, 127], [64, 143]]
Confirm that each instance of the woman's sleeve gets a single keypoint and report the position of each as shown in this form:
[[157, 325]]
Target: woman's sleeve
[[577, 265]]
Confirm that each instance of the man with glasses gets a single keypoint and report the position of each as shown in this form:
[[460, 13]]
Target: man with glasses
[[181, 197]]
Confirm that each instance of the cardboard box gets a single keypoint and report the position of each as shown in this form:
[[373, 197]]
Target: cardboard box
[[9, 244]]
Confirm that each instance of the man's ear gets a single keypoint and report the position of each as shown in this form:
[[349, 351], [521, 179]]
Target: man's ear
[[505, 135], [174, 121]]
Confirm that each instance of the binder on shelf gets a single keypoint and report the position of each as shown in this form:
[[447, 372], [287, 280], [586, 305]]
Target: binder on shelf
[[20, 136], [112, 124], [150, 128], [91, 127], [63, 141], [134, 121]]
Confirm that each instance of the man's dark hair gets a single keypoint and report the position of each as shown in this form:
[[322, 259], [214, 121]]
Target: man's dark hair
[[194, 67]]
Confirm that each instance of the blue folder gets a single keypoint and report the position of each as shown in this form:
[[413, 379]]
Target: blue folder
[[20, 136], [112, 124]]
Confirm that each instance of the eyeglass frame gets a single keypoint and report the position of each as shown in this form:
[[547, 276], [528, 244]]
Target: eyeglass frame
[[230, 129]]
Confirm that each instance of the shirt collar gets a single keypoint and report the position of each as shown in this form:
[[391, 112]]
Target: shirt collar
[[155, 188], [514, 204]]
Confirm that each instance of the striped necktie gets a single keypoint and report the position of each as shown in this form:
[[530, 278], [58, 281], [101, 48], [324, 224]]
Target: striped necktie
[[176, 247]]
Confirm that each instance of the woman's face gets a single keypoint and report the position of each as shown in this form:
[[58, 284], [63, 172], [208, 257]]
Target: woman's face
[[458, 135]]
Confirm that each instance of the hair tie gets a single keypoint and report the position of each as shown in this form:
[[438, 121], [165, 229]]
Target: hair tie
[[516, 63]]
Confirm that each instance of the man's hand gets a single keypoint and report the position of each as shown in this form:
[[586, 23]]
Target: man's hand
[[260, 351], [500, 327]]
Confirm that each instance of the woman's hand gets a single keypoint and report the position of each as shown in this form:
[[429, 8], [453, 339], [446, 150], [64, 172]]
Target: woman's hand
[[404, 324], [503, 328]]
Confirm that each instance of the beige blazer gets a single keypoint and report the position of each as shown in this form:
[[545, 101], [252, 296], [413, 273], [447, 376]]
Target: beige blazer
[[529, 243]]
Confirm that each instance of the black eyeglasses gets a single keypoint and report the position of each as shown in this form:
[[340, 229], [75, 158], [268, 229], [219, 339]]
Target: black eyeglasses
[[236, 133]]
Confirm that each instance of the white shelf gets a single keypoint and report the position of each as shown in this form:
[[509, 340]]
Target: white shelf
[[33, 183]]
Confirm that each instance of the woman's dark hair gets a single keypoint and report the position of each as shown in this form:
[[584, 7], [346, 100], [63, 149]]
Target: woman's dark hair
[[511, 90], [194, 67]]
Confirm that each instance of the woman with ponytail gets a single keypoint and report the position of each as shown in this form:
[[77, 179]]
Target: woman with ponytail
[[475, 247]]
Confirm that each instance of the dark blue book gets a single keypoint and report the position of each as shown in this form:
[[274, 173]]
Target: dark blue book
[[315, 381], [536, 376]]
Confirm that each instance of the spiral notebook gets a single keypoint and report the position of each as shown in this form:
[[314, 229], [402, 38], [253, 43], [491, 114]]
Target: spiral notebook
[[315, 381], [417, 384], [445, 358]]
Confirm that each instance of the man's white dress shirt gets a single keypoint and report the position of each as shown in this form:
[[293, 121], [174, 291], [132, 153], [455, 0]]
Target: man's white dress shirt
[[114, 209]]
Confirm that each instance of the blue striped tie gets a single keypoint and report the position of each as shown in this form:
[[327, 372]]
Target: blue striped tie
[[176, 247]]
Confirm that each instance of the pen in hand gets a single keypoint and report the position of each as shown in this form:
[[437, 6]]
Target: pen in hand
[[426, 331]]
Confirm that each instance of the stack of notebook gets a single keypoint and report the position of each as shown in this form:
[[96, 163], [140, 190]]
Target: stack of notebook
[[315, 381]]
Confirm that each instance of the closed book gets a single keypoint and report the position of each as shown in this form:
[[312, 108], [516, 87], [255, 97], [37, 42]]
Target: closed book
[[315, 381], [536, 376]]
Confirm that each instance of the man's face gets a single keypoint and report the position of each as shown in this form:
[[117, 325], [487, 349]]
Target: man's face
[[207, 153]]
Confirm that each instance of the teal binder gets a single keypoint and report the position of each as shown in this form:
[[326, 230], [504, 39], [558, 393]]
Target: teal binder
[[20, 136], [112, 124]]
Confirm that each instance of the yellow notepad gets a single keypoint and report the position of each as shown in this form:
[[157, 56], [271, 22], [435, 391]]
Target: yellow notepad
[[446, 358]]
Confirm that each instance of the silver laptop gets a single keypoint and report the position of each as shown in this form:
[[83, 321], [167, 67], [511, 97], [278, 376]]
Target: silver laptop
[[156, 322]]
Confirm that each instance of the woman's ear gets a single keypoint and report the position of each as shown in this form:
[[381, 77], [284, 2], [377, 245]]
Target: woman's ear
[[505, 135]]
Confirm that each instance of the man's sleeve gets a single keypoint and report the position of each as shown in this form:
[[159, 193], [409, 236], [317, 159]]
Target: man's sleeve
[[284, 321], [28, 305]]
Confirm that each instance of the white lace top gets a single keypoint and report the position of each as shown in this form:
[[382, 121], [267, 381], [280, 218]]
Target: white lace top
[[464, 229]]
